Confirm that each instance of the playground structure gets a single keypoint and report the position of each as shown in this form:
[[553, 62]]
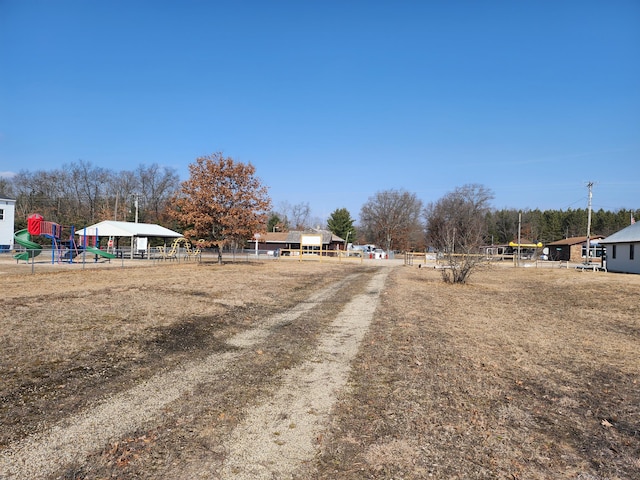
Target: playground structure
[[179, 244], [61, 249]]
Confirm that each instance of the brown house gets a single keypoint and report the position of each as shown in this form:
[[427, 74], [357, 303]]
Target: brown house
[[573, 249], [272, 241]]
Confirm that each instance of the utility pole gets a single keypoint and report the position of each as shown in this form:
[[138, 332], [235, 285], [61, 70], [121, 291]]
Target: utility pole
[[590, 187], [135, 203], [519, 236]]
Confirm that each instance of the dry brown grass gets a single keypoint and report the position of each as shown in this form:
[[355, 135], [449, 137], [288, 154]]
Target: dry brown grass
[[69, 337], [521, 374]]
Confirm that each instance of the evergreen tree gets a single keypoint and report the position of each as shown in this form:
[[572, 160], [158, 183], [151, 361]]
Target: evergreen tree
[[340, 223], [276, 223]]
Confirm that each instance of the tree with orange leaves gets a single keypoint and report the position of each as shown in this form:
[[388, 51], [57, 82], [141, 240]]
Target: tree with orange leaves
[[223, 202]]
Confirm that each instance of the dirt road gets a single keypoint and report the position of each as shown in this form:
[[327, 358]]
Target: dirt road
[[195, 419]]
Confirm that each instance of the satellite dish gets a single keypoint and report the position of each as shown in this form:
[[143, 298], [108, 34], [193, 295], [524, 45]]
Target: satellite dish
[[545, 250]]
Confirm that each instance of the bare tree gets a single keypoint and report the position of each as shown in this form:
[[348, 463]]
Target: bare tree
[[120, 190], [89, 183], [43, 192], [6, 187], [24, 189], [157, 185], [300, 213], [294, 217], [80, 193], [392, 218], [456, 227]]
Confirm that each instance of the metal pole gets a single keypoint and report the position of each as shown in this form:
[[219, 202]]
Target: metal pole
[[84, 247]]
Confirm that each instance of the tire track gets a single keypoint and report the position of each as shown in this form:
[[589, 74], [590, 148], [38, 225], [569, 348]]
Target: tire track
[[277, 437]]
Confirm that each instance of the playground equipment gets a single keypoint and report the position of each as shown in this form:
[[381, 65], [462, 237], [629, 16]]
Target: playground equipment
[[172, 254], [37, 226], [193, 251], [525, 245], [23, 238], [64, 249], [98, 252], [190, 251]]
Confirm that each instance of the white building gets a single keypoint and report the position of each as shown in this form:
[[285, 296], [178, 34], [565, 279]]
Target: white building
[[7, 223], [623, 250]]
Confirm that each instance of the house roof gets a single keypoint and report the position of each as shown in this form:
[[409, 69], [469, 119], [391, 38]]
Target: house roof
[[127, 229], [626, 235], [574, 240], [274, 237]]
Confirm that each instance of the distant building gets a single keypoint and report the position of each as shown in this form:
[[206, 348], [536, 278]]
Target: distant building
[[272, 241], [574, 249], [623, 250], [7, 223]]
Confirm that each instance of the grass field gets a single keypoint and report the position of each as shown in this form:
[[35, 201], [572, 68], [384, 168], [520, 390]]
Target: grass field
[[521, 374]]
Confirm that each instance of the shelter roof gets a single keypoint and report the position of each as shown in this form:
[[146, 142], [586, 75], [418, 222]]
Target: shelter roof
[[574, 240], [628, 234], [110, 228]]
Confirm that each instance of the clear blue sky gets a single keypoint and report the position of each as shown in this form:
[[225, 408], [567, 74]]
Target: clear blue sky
[[334, 100]]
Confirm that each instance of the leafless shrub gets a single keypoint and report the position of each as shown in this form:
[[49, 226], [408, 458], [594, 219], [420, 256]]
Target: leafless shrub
[[456, 228]]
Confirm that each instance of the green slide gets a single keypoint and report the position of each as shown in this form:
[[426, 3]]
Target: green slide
[[97, 251], [23, 237]]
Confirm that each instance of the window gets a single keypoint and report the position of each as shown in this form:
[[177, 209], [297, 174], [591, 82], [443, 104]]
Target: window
[[595, 251], [631, 251], [613, 251], [1, 213]]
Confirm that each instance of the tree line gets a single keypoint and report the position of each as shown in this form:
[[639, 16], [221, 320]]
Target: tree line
[[551, 225], [399, 220], [81, 193]]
